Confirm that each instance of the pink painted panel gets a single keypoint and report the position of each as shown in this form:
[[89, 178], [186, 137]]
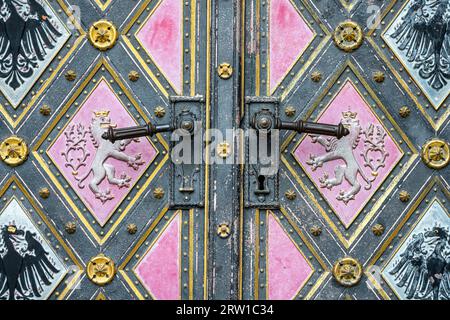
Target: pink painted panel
[[161, 36], [76, 146], [389, 154], [289, 36], [288, 270], [159, 270]]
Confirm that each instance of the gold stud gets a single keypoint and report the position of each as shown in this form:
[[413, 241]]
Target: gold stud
[[103, 35], [316, 231], [289, 111], [70, 75], [160, 111], [290, 194], [404, 112], [316, 76], [13, 151], [223, 230], [132, 228], [223, 150], [404, 196], [70, 227], [45, 110], [101, 270], [348, 36], [378, 229], [158, 193], [347, 272], [435, 154], [44, 193], [225, 70], [133, 76], [378, 76]]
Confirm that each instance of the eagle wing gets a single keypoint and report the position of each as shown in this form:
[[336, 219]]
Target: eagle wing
[[411, 34], [37, 270], [411, 272], [423, 37], [39, 35], [445, 284], [4, 41], [3, 279]]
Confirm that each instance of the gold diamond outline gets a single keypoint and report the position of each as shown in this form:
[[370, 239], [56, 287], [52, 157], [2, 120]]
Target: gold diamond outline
[[421, 87], [436, 125], [300, 54], [103, 5], [347, 242], [310, 247], [349, 7], [25, 111], [433, 182], [140, 58], [100, 239], [139, 244], [344, 83]]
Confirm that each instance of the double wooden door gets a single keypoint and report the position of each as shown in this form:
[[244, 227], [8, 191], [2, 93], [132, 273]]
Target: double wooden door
[[362, 217]]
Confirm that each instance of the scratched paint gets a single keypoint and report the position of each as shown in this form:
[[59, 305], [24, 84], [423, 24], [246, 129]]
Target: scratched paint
[[161, 36], [159, 270], [286, 24], [288, 270]]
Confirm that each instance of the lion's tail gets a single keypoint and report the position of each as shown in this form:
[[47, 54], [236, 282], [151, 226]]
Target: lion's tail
[[368, 181], [82, 179]]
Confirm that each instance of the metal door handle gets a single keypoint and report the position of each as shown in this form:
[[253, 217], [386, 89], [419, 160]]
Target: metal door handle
[[149, 130], [266, 120]]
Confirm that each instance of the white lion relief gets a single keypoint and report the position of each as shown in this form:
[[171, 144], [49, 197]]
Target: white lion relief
[[104, 150], [342, 149]]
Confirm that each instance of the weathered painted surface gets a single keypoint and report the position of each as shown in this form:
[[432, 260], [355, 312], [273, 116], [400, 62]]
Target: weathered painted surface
[[159, 269], [162, 36], [289, 36], [288, 269]]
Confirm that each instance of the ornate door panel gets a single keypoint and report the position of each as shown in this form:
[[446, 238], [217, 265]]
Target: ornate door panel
[[365, 216], [361, 217], [78, 211]]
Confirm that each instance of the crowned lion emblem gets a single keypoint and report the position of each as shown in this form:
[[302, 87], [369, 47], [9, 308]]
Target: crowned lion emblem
[[343, 149], [105, 150]]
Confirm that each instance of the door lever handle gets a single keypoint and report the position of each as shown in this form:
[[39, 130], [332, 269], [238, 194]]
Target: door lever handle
[[147, 130], [265, 120], [300, 126]]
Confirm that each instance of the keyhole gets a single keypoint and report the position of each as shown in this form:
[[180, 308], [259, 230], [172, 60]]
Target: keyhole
[[261, 182]]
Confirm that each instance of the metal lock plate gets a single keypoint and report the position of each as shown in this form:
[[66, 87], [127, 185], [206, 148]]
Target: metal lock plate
[[262, 154], [187, 178]]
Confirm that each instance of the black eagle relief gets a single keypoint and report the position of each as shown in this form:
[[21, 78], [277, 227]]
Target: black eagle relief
[[25, 266], [424, 268], [26, 35], [424, 37]]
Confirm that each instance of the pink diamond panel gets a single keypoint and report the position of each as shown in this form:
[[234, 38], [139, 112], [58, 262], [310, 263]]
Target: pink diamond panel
[[159, 270], [289, 35], [349, 171], [100, 172], [161, 36], [288, 270]]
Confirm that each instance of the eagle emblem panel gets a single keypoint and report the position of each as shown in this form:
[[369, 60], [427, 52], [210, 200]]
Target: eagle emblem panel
[[31, 35], [29, 267]]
